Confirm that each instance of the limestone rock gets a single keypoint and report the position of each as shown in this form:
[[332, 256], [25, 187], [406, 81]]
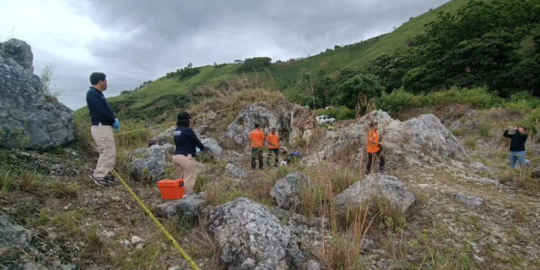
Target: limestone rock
[[234, 171], [248, 236], [18, 251], [149, 164], [286, 191], [260, 113], [469, 200], [28, 119], [419, 141], [188, 207], [383, 185]]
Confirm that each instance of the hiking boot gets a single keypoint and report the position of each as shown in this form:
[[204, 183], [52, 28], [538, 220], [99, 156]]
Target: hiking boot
[[101, 183], [112, 180], [382, 171]]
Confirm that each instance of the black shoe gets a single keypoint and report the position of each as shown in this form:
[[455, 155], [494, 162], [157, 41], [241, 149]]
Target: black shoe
[[111, 180], [101, 183]]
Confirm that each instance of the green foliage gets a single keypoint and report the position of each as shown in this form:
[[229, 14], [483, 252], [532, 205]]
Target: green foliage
[[478, 97], [254, 64], [395, 102], [390, 68], [339, 113], [492, 44], [353, 89], [187, 72]]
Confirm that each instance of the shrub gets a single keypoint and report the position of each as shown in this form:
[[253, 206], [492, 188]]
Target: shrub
[[396, 102], [251, 64], [340, 113]]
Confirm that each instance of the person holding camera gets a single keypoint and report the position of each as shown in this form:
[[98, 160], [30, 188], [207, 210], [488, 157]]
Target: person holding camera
[[517, 145]]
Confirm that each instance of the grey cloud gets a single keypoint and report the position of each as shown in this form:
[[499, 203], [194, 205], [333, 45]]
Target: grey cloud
[[155, 37], [170, 27]]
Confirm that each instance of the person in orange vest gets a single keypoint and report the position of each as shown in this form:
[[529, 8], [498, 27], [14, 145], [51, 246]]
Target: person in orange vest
[[374, 148], [257, 142], [273, 146]]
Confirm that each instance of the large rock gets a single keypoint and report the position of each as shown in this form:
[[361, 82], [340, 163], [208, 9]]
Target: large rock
[[286, 191], [291, 122], [149, 164], [234, 171], [250, 237], [212, 147], [376, 185], [303, 124], [416, 142], [163, 138], [187, 207], [27, 118], [260, 113], [17, 251]]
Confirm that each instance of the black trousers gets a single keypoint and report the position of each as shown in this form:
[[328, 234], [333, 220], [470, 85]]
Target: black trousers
[[256, 153], [372, 158], [275, 153]]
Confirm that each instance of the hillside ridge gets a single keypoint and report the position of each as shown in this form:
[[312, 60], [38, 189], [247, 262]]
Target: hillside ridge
[[287, 76]]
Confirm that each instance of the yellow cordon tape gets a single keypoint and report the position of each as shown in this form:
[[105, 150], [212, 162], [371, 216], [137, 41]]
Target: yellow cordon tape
[[165, 232], [171, 123], [143, 206], [505, 152]]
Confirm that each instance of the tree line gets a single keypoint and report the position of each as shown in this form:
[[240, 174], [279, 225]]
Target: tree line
[[484, 44]]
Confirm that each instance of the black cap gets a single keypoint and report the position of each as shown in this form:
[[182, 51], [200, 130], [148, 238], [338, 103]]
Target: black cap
[[184, 115]]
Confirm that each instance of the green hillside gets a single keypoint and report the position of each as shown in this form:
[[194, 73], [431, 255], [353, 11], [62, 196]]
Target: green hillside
[[165, 93]]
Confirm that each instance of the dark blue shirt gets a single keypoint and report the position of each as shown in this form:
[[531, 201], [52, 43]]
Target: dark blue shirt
[[186, 141], [99, 108]]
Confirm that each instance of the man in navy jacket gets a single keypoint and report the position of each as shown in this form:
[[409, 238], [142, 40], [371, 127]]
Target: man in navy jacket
[[103, 121]]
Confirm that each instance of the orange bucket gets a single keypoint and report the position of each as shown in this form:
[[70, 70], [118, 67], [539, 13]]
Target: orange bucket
[[171, 189]]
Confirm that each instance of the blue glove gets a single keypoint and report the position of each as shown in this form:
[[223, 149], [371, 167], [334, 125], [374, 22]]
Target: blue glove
[[116, 124], [197, 148]]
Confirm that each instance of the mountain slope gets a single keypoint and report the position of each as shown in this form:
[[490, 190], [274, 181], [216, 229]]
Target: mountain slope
[[164, 93]]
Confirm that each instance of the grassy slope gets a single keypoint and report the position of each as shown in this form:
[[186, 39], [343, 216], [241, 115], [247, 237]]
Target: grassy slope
[[287, 76]]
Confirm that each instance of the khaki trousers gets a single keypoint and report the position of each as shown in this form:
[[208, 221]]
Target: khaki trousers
[[104, 138], [187, 166]]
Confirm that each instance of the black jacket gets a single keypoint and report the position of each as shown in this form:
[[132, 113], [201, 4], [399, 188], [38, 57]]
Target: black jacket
[[99, 108], [186, 141], [517, 141]]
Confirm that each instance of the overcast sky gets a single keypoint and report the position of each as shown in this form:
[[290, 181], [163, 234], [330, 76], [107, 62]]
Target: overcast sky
[[137, 40]]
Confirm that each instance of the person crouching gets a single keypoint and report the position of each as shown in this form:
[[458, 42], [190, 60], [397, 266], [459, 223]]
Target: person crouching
[[186, 148]]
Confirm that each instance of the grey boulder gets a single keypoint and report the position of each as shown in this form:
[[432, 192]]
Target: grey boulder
[[188, 207], [249, 237], [149, 164], [28, 119], [286, 191], [386, 186]]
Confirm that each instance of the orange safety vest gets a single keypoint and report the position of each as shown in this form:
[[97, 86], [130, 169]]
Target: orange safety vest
[[273, 141], [374, 137], [257, 138]]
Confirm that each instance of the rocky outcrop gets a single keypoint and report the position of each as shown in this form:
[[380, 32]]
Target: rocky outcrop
[[188, 207], [149, 164], [43, 164], [163, 138], [286, 191], [480, 167], [234, 171], [303, 124], [257, 113], [249, 237], [17, 251], [419, 141], [28, 119], [469, 200], [291, 122], [386, 186]]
